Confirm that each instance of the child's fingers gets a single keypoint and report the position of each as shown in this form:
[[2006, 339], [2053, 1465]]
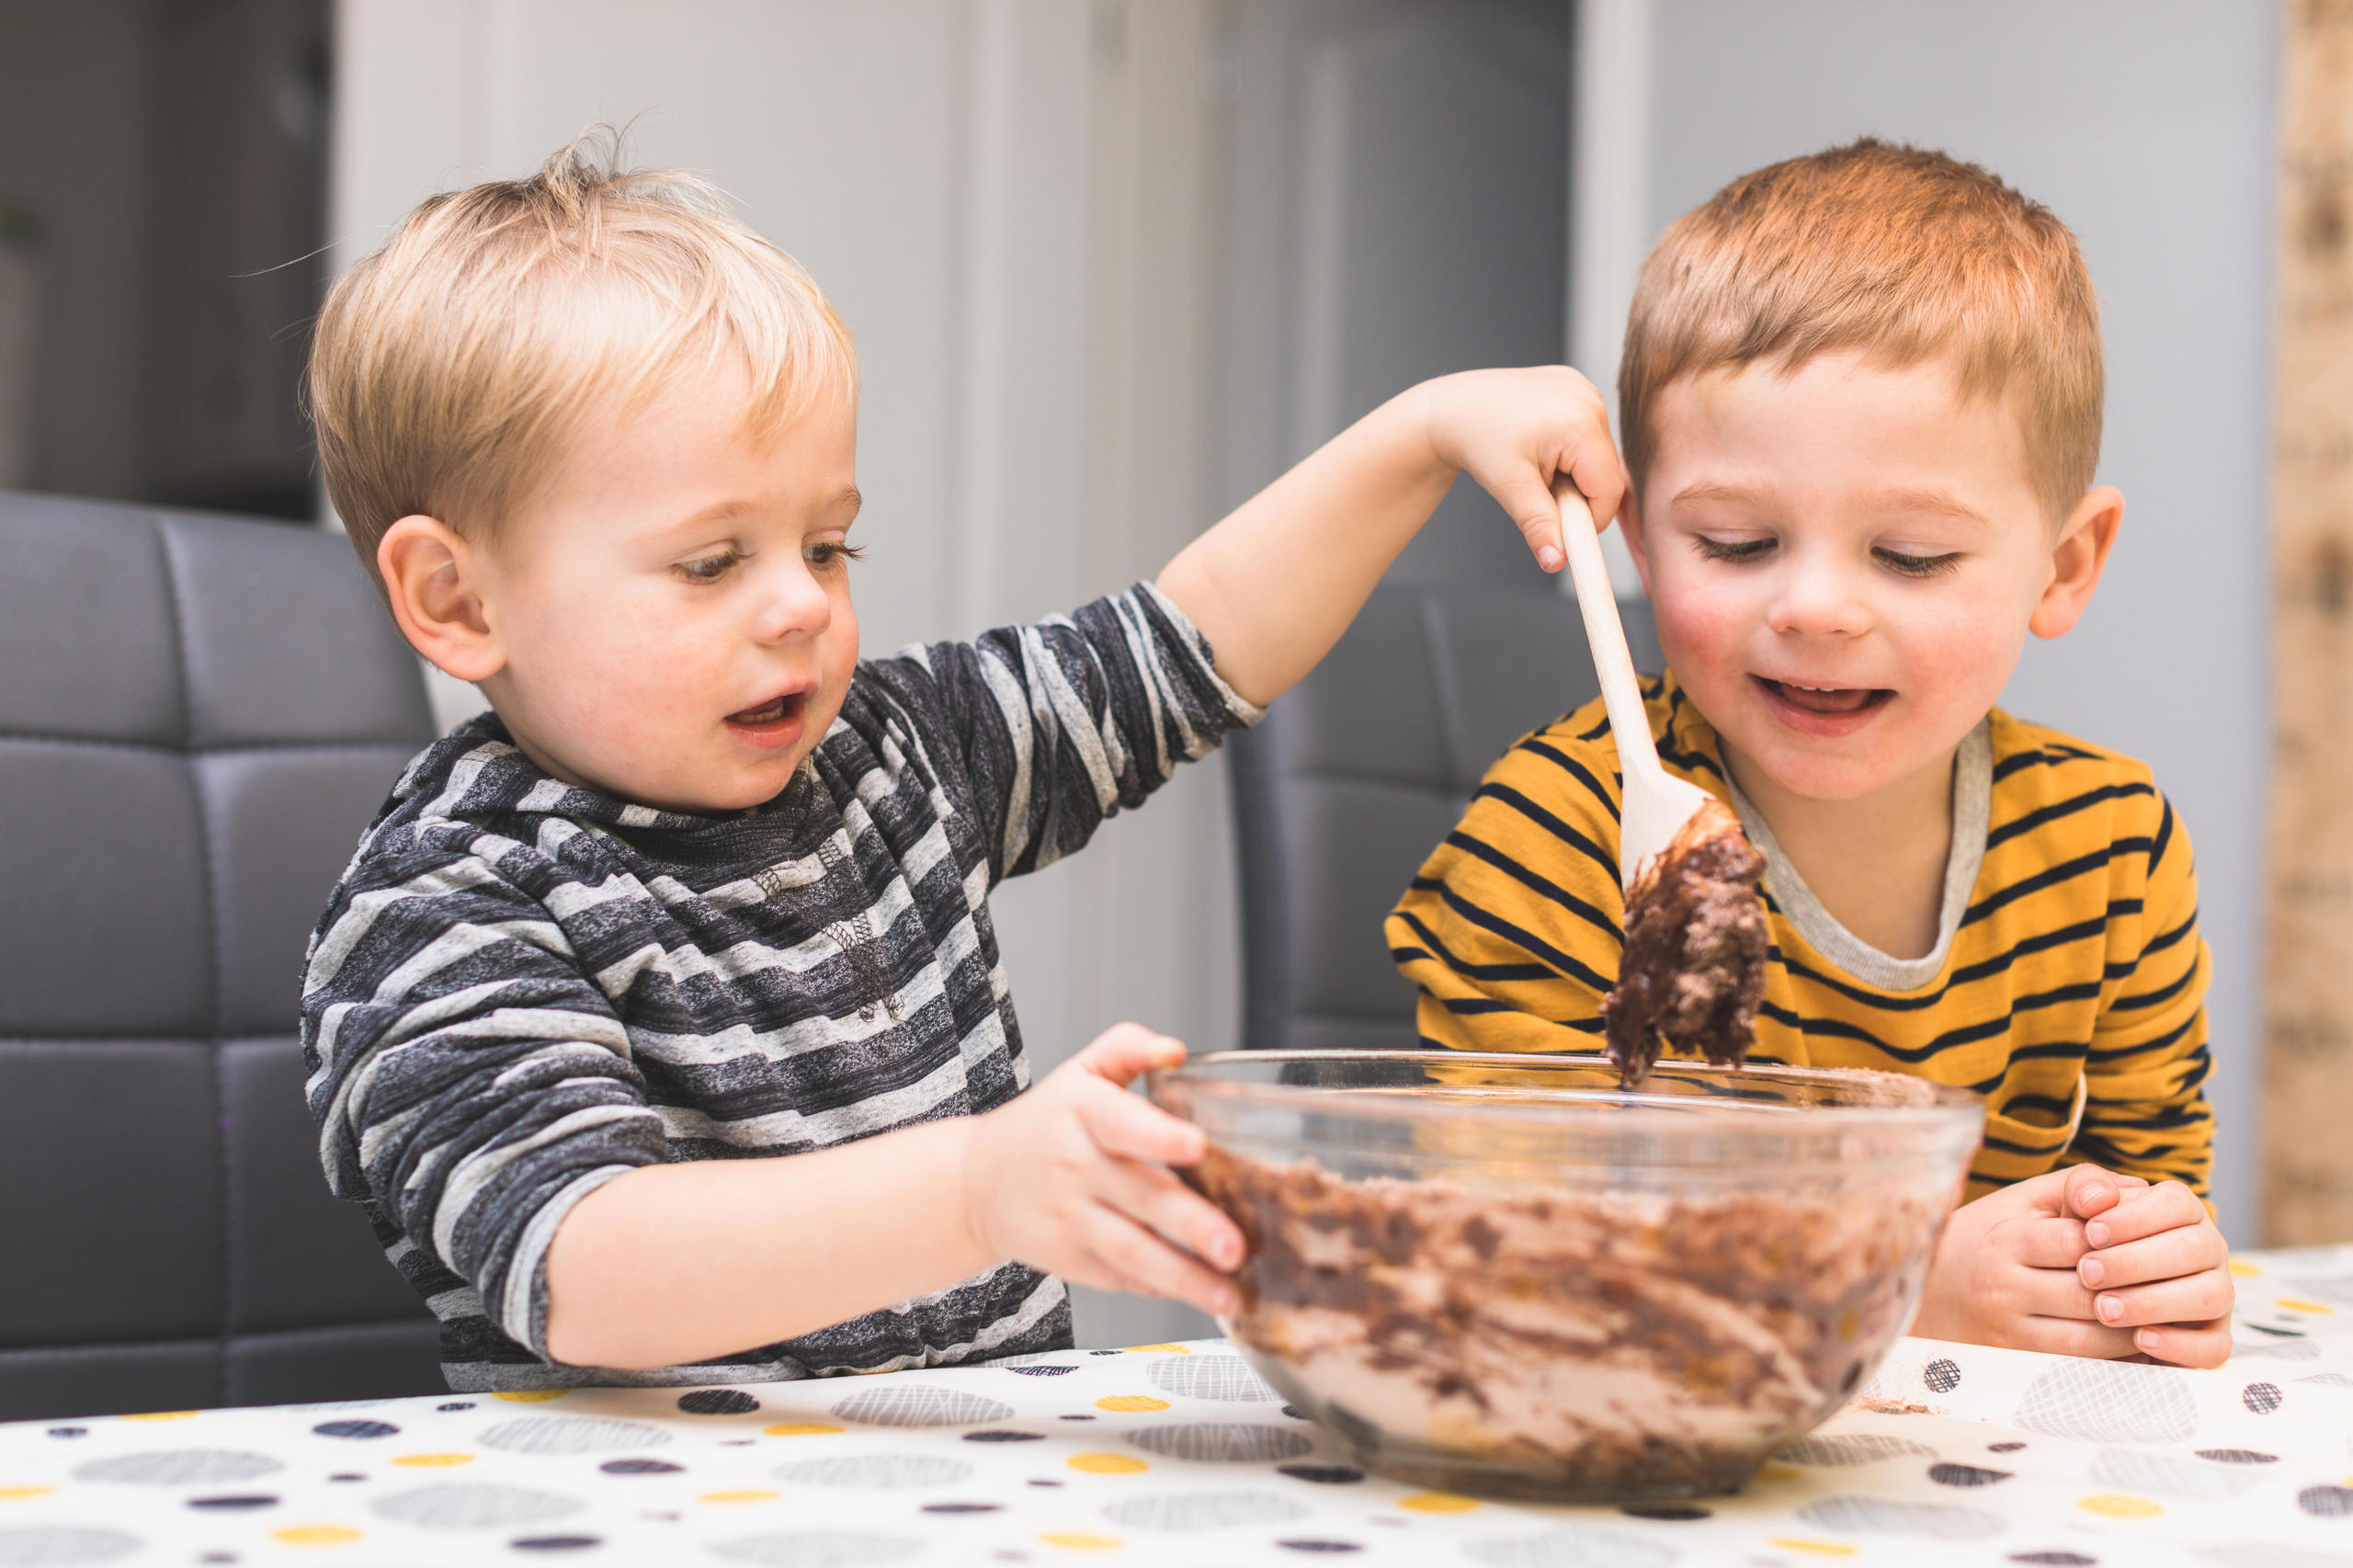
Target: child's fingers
[[1153, 1197], [2048, 1242], [2049, 1293], [2072, 1336], [2162, 1208], [1129, 1128], [1125, 1051], [2186, 1344], [2087, 1190], [1151, 1266], [2168, 1255], [2193, 1298]]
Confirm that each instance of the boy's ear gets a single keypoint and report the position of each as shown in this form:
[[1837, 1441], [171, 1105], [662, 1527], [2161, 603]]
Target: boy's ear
[[2077, 559], [1630, 523], [432, 580]]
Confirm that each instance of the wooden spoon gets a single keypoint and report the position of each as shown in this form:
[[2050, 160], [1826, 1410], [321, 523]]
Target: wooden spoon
[[1655, 803]]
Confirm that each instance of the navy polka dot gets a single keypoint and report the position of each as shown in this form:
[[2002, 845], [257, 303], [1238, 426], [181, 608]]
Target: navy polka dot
[[2326, 1502], [356, 1430], [718, 1402], [1103, 1353], [456, 1404], [2055, 1559], [556, 1542], [69, 1431], [1671, 1511], [1078, 1418], [1004, 1437], [249, 1500], [1965, 1475], [2237, 1455], [639, 1467], [1941, 1375], [1045, 1484], [1292, 1411], [1040, 1372], [2003, 1448], [1333, 1547], [347, 1475], [964, 1508], [2261, 1398]]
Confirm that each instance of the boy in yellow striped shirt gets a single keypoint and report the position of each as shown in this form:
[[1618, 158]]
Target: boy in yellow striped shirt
[[1860, 404]]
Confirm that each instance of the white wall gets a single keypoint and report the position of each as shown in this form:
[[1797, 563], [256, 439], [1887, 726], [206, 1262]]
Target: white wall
[[2148, 126], [1005, 200]]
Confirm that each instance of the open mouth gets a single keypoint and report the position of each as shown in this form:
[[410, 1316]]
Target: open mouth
[[774, 723], [1827, 700]]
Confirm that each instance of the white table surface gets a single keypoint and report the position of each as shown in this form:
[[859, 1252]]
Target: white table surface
[[1176, 1454]]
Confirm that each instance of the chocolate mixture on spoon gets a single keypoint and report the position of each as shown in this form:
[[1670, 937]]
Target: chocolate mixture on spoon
[[1694, 969]]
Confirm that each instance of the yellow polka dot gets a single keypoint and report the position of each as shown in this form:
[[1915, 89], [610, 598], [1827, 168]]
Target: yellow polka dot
[[1178, 1349], [2295, 1306], [2115, 1506], [162, 1416], [2244, 1269], [1131, 1402], [800, 1429], [315, 1535], [1107, 1464], [1778, 1472], [1437, 1503], [1819, 1548], [434, 1461], [19, 1493], [748, 1494], [1074, 1541], [530, 1396]]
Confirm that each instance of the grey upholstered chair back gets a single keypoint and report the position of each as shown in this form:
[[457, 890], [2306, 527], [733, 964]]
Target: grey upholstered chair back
[[198, 716], [1357, 773]]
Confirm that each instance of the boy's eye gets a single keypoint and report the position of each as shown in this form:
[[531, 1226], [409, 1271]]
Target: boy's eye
[[1917, 565], [709, 568], [827, 553], [1731, 549]]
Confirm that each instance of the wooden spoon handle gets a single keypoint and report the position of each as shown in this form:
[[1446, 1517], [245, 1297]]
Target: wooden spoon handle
[[1629, 723]]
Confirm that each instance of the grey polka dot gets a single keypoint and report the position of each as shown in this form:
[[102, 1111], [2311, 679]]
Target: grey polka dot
[[1224, 1442], [920, 1406], [1571, 1548], [572, 1435], [819, 1548], [1851, 1448], [1227, 1378], [2337, 1291], [2109, 1401], [1204, 1510], [1890, 1516], [45, 1544], [2276, 1349], [891, 1472], [2180, 1476], [472, 1508], [179, 1467]]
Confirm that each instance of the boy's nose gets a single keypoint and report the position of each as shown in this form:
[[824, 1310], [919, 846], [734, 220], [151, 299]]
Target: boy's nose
[[792, 604], [1819, 602]]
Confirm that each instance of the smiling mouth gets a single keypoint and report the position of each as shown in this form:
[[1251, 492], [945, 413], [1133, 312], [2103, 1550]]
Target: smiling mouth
[[1827, 700]]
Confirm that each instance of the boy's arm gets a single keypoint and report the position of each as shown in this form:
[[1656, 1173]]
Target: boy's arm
[[2144, 1103], [1511, 930], [471, 1080], [1275, 584]]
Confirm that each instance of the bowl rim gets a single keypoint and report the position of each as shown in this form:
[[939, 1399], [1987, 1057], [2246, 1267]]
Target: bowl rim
[[1946, 1106]]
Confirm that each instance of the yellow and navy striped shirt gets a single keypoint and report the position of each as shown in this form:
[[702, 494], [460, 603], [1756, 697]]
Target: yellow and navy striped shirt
[[2067, 987]]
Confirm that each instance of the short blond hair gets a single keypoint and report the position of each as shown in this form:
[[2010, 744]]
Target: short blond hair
[[448, 370], [1902, 254]]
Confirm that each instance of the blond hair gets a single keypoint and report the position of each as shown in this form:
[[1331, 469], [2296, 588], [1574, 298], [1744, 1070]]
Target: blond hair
[[1901, 254], [448, 370]]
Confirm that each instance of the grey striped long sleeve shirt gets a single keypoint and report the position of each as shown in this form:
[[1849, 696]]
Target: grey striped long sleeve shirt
[[522, 989]]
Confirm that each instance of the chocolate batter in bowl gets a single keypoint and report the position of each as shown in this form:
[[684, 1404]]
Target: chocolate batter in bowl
[[1504, 1275]]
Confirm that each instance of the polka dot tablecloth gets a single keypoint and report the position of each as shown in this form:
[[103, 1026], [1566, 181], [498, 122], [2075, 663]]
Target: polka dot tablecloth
[[1177, 1454]]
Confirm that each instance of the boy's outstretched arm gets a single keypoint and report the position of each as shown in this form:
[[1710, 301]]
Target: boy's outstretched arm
[[682, 1263], [1275, 584]]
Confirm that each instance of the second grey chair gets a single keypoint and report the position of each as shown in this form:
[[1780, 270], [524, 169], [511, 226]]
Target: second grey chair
[[1356, 774], [198, 716]]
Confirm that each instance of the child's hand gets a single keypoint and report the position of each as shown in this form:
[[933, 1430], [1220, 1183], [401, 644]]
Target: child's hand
[[1513, 430], [2010, 1271], [1071, 1177]]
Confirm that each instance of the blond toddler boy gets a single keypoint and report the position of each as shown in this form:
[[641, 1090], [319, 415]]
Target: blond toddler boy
[[658, 1022], [1860, 399]]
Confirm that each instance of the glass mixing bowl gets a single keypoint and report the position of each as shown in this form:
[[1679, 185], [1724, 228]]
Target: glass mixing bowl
[[1500, 1274]]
